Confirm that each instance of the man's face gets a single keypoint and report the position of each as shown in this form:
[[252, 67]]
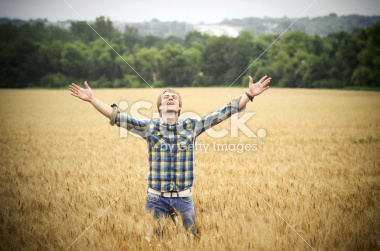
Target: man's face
[[170, 102]]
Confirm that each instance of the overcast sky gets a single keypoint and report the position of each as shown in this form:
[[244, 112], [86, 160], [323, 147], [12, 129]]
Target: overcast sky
[[194, 11]]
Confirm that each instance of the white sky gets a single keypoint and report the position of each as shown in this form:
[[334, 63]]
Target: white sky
[[194, 11]]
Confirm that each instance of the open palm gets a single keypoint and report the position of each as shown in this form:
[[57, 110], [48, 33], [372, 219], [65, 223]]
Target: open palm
[[79, 92], [259, 87]]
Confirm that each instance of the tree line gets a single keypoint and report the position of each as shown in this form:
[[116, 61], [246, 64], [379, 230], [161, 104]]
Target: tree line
[[322, 25], [36, 55], [317, 25]]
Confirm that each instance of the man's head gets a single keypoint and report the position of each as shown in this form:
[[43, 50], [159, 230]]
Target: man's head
[[169, 101]]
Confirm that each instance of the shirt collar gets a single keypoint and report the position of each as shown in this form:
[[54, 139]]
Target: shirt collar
[[162, 122]]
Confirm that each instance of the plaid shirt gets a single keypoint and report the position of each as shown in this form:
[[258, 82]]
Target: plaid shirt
[[171, 147]]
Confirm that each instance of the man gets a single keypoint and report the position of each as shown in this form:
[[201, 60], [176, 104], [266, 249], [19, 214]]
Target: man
[[171, 143]]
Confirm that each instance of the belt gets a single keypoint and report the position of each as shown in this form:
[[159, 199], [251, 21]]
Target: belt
[[184, 193]]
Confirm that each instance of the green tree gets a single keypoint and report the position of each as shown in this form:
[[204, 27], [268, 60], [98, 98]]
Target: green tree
[[346, 59], [317, 72], [73, 60], [152, 41], [182, 69], [8, 33], [131, 36], [215, 61], [368, 71], [149, 62], [82, 31], [105, 28], [49, 57], [18, 64], [240, 51], [196, 36], [55, 80]]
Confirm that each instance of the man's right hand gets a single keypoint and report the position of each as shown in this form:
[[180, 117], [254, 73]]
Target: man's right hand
[[79, 92]]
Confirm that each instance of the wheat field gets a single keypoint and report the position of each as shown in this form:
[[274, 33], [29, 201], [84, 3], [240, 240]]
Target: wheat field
[[69, 180]]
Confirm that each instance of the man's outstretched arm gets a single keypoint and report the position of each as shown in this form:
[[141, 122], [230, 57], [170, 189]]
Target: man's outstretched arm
[[236, 105], [254, 89], [86, 95], [138, 127]]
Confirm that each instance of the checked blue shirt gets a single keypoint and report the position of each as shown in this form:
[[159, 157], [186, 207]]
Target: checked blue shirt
[[171, 147]]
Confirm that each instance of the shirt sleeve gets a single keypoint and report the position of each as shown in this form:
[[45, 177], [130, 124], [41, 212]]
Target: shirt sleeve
[[137, 126], [205, 122]]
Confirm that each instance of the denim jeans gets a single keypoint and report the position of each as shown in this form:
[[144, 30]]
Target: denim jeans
[[165, 207]]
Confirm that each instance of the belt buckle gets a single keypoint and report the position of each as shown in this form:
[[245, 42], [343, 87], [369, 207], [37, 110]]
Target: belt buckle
[[164, 193]]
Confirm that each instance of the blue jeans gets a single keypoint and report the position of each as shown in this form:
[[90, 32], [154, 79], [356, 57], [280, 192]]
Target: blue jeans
[[165, 207]]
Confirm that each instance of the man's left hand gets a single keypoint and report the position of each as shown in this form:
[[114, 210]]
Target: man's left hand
[[259, 87]]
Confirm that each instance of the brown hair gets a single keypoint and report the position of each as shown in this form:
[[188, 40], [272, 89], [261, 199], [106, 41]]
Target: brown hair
[[172, 91]]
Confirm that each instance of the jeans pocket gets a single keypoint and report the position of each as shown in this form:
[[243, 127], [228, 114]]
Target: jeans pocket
[[186, 199], [152, 197]]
